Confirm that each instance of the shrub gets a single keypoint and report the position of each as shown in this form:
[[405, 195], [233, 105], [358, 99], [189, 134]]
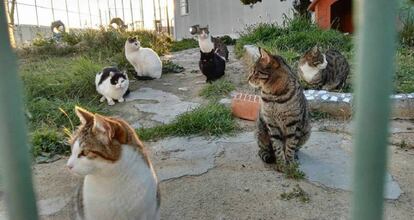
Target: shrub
[[297, 34], [184, 44], [228, 40], [107, 41]]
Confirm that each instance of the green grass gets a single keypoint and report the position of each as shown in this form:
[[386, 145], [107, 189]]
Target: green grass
[[169, 67], [292, 171], [184, 44], [48, 142], [217, 89], [210, 120], [296, 193], [91, 41], [53, 84], [404, 76], [296, 34]]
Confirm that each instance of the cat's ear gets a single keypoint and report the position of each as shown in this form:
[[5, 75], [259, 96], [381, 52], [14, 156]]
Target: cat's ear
[[103, 128], [315, 49], [265, 56], [109, 129], [125, 73], [83, 115]]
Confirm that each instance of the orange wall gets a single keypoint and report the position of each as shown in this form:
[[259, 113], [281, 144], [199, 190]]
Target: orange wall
[[323, 13]]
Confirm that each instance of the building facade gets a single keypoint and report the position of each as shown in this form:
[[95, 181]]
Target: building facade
[[226, 17]]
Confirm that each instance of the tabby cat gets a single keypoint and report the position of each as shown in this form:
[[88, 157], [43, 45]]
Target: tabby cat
[[283, 122], [326, 71]]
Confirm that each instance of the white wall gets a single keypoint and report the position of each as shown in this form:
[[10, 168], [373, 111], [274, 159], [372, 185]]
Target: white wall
[[228, 16]]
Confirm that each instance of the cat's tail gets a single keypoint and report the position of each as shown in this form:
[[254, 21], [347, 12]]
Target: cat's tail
[[144, 77], [126, 93]]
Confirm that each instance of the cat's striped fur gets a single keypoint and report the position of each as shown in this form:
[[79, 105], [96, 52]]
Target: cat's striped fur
[[283, 125], [327, 71]]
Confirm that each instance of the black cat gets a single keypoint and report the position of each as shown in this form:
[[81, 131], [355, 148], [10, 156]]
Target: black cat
[[212, 65]]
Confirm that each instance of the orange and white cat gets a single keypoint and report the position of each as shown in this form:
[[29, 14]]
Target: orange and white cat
[[119, 179]]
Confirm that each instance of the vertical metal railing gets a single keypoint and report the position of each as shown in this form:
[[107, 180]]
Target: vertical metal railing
[[14, 152], [376, 48]]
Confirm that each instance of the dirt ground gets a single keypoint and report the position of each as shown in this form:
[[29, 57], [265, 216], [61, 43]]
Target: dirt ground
[[235, 184]]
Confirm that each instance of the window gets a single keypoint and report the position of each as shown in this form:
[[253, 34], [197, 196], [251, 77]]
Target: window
[[184, 7]]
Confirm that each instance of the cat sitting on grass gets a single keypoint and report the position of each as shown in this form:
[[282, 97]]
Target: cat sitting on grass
[[146, 62], [112, 84], [119, 179]]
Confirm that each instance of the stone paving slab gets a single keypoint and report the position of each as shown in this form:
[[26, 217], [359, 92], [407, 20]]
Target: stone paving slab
[[325, 159], [166, 107]]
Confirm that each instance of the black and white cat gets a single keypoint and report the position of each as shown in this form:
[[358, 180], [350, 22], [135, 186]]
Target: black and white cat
[[112, 84], [208, 42], [212, 65]]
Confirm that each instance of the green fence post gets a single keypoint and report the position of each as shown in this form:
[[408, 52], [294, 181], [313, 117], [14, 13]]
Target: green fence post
[[376, 48], [14, 153]]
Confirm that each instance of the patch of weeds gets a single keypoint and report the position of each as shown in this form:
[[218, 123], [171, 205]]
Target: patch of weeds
[[402, 144], [292, 171], [53, 86], [44, 112], [318, 115], [404, 76], [406, 33], [94, 41], [297, 34], [169, 67], [217, 89], [60, 77], [48, 142], [184, 44], [296, 193], [210, 120]]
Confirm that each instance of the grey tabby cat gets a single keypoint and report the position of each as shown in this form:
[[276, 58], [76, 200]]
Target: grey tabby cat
[[326, 71], [283, 125]]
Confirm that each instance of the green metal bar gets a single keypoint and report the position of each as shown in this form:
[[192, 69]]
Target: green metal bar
[[14, 151], [376, 50]]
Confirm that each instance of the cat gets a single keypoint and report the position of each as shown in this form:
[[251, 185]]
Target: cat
[[327, 71], [283, 125], [112, 84], [207, 42], [212, 65], [146, 62], [119, 179]]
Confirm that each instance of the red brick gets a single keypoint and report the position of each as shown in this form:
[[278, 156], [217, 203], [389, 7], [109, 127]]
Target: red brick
[[246, 106]]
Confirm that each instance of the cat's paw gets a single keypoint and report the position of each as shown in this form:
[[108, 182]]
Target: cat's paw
[[102, 99], [121, 100], [111, 102]]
